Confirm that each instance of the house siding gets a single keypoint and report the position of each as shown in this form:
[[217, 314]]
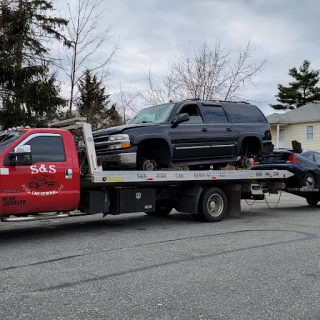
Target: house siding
[[297, 131], [274, 135]]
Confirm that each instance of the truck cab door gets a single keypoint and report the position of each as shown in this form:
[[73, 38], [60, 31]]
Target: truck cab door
[[48, 184]]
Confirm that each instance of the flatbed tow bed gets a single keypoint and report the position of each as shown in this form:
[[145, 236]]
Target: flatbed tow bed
[[207, 195]]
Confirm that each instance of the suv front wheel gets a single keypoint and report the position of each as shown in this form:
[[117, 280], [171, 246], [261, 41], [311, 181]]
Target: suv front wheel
[[152, 155], [145, 164]]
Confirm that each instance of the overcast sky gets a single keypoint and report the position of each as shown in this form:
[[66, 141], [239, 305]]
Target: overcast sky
[[152, 31]]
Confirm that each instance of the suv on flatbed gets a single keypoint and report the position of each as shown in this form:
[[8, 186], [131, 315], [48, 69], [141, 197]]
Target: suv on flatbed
[[190, 133]]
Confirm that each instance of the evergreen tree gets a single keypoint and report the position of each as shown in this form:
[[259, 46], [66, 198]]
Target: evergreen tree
[[93, 103], [29, 94], [301, 91]]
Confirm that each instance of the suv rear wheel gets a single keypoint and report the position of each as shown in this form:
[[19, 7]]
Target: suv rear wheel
[[250, 147]]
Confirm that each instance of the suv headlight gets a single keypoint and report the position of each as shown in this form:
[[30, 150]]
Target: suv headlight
[[117, 137], [119, 141]]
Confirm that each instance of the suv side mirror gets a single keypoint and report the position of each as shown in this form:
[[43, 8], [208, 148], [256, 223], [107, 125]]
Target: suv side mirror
[[183, 117], [21, 155]]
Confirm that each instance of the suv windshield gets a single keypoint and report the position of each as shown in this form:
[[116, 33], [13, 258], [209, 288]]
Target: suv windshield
[[156, 114], [6, 139]]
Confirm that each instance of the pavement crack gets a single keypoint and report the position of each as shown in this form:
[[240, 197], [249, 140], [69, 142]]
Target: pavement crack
[[307, 236]]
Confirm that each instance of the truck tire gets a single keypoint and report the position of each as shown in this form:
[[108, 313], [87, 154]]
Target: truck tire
[[212, 205], [312, 201], [163, 208]]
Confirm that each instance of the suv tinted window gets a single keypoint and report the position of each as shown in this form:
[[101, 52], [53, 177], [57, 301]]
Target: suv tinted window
[[47, 149], [215, 114], [245, 113], [193, 112]]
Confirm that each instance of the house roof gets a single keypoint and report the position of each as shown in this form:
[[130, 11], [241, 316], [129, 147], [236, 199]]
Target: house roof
[[308, 113]]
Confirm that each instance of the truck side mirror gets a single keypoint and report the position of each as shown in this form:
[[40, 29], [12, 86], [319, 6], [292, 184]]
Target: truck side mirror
[[183, 117], [20, 156]]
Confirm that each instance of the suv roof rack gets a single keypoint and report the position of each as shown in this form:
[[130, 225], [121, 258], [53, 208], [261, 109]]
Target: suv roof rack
[[228, 101], [212, 100]]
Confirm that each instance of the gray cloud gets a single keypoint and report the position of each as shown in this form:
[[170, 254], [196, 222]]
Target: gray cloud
[[151, 32]]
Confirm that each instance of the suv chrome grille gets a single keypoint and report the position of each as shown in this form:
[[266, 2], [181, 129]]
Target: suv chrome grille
[[101, 144]]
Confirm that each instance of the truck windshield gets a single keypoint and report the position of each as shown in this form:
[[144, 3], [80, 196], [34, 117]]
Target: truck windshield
[[155, 114], [6, 139]]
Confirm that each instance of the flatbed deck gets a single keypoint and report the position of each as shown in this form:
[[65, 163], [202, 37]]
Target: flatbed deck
[[143, 177]]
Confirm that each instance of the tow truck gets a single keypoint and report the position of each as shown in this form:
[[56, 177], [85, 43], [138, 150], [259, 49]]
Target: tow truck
[[44, 175]]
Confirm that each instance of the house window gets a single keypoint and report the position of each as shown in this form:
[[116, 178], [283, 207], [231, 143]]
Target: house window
[[309, 134]]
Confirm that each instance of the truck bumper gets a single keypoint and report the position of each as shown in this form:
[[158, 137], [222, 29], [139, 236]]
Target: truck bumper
[[127, 160]]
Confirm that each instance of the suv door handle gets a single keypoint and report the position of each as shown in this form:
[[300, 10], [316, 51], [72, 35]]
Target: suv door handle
[[228, 129], [204, 129]]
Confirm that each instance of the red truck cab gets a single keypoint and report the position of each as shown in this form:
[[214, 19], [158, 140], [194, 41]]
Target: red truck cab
[[45, 178]]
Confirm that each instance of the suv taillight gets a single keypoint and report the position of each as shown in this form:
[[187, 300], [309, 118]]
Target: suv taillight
[[255, 160], [292, 159]]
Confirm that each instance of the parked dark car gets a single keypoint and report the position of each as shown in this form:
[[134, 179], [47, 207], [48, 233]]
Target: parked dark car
[[304, 165], [190, 133]]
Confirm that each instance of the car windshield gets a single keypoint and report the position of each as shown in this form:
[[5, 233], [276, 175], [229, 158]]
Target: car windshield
[[7, 138], [155, 114]]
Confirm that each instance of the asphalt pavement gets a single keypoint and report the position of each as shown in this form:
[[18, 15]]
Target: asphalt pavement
[[264, 265]]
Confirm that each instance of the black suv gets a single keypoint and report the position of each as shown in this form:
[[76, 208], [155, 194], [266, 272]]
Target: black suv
[[191, 133]]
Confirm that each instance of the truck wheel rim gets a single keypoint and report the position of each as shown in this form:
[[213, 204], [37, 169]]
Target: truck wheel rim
[[215, 205]]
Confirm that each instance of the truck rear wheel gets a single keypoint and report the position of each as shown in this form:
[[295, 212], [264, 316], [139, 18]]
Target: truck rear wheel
[[212, 205]]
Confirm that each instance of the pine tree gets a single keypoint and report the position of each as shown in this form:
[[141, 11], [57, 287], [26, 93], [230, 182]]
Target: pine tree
[[93, 103], [29, 94], [301, 91]]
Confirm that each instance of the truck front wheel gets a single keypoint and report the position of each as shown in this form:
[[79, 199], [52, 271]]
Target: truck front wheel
[[212, 205]]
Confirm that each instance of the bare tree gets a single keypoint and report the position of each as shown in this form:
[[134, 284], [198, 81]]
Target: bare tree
[[127, 101], [84, 31], [206, 73]]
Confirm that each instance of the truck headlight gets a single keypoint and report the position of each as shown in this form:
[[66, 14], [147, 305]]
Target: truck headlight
[[117, 137]]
